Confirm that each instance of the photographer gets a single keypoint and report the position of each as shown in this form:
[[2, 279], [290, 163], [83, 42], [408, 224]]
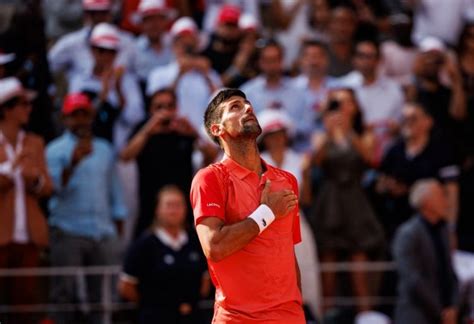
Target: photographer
[[164, 131], [342, 219]]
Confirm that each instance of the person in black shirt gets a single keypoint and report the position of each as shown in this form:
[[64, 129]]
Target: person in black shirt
[[163, 146], [416, 156], [447, 105], [164, 270]]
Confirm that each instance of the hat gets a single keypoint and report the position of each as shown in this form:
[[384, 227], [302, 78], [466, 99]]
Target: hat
[[96, 5], [273, 121], [248, 22], [228, 14], [76, 101], [11, 87], [106, 36], [430, 43], [153, 7], [371, 317], [6, 57], [183, 25]]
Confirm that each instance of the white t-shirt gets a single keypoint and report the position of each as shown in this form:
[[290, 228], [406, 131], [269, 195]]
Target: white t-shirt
[[192, 90], [443, 19]]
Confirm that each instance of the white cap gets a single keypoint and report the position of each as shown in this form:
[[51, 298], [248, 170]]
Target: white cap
[[6, 58], [273, 121], [430, 43], [105, 35], [183, 25], [152, 7], [96, 5], [11, 87], [371, 317], [248, 22]]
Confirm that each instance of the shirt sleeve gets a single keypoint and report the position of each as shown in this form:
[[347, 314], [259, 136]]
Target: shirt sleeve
[[448, 170], [207, 199], [134, 263], [119, 209]]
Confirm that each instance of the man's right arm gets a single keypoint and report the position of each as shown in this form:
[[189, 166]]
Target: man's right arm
[[219, 240]]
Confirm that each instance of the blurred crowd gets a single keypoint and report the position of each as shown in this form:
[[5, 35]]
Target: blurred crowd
[[369, 103]]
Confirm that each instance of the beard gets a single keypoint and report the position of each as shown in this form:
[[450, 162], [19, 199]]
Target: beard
[[251, 130]]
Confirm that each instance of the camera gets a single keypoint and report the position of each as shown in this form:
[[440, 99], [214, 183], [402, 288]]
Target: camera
[[166, 122], [333, 105]]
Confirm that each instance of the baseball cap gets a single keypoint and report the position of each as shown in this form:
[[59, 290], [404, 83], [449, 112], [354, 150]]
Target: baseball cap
[[228, 14], [6, 57], [184, 25], [430, 43], [96, 5], [76, 101], [11, 87], [273, 121], [153, 7], [106, 36], [248, 22]]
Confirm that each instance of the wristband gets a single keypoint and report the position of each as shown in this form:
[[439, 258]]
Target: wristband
[[263, 216]]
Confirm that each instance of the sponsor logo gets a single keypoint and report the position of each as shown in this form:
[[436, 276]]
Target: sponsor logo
[[264, 222], [213, 205]]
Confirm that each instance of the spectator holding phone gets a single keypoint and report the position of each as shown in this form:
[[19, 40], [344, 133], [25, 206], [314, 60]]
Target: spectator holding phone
[[163, 146], [87, 207], [343, 221]]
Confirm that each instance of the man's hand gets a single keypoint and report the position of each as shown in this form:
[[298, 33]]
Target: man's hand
[[449, 315], [280, 202], [158, 123], [82, 149], [184, 127]]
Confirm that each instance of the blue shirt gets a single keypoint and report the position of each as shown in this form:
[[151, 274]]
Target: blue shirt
[[147, 58], [92, 199]]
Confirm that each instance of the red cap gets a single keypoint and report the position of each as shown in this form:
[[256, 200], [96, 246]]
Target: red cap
[[76, 101], [228, 14]]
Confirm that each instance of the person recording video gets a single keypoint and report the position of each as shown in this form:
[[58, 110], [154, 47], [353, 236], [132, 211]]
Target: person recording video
[[163, 146]]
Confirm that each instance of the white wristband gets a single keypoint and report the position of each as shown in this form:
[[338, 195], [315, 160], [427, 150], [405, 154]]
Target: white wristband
[[263, 216]]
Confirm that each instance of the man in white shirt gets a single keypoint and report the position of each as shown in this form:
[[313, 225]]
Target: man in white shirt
[[154, 44], [71, 53], [439, 18], [114, 92], [189, 74], [381, 99], [315, 83], [272, 90]]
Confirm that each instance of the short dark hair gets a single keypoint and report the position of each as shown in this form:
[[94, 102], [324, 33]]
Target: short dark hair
[[370, 41], [162, 91], [213, 114], [263, 44]]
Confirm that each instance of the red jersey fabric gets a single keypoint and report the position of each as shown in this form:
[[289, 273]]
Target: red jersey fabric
[[257, 284]]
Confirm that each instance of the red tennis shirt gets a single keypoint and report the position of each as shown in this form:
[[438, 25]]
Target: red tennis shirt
[[257, 284]]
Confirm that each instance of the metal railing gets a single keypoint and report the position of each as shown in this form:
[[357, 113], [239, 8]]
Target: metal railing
[[107, 306]]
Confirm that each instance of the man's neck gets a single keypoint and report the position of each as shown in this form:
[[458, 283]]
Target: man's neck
[[246, 154], [369, 78], [315, 80], [10, 130], [431, 85], [416, 144], [173, 231], [273, 81]]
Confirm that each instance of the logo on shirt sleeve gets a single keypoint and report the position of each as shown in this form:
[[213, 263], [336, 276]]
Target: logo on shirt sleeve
[[213, 205], [264, 222]]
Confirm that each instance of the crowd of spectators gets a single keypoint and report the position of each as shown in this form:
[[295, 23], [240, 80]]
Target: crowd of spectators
[[101, 132]]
